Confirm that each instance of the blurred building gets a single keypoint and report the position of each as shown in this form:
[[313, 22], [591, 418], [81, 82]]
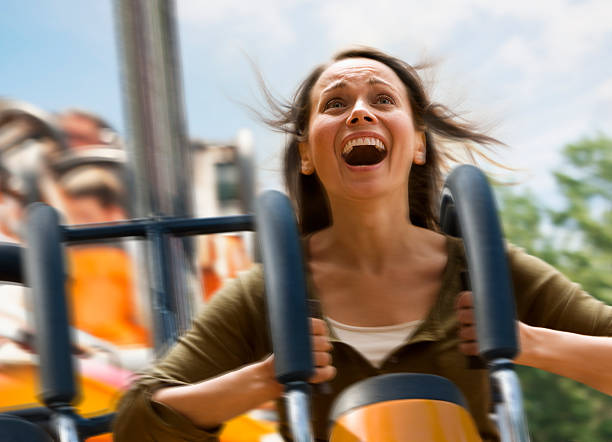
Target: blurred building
[[224, 185]]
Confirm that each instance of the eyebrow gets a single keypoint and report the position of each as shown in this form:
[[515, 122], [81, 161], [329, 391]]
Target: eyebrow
[[339, 84]]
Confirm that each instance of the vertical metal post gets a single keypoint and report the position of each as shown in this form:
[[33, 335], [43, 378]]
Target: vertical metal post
[[166, 330], [157, 141], [510, 414]]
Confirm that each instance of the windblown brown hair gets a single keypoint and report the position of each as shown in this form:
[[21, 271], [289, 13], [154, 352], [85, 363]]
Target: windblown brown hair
[[425, 181]]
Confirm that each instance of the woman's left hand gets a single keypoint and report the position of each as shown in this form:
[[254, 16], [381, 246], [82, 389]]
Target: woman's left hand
[[467, 326], [556, 351]]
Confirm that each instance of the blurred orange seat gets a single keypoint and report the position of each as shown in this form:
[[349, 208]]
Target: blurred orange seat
[[102, 296]]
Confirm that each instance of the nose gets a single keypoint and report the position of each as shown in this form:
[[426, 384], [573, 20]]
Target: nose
[[361, 114]]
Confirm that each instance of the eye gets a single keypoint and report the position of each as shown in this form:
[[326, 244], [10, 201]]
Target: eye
[[334, 103], [384, 99]]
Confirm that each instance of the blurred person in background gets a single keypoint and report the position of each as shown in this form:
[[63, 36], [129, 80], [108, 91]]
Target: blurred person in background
[[11, 208], [73, 162], [27, 135], [100, 274], [39, 165], [84, 129], [90, 187], [93, 194]]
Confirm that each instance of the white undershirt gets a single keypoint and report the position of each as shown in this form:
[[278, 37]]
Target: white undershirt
[[374, 343]]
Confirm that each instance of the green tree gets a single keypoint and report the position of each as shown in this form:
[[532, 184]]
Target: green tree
[[577, 239], [586, 184]]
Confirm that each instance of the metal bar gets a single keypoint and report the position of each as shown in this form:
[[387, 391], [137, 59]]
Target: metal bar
[[174, 226], [157, 139], [468, 194], [153, 106], [511, 418], [298, 410], [65, 428], [165, 330]]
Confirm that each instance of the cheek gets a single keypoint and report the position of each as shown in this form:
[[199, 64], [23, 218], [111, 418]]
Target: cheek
[[322, 140], [404, 135]]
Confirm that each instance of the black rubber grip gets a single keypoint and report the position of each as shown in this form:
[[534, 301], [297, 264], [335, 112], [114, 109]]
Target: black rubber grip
[[285, 287], [45, 274], [468, 197], [10, 263]]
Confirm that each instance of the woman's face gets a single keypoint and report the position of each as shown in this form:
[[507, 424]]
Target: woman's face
[[361, 136]]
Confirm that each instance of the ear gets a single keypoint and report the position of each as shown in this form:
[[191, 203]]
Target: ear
[[420, 150], [307, 168]]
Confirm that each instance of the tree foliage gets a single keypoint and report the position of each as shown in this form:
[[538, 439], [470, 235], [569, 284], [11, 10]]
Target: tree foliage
[[576, 237]]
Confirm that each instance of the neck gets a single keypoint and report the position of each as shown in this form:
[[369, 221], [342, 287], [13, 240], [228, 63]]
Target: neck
[[372, 234]]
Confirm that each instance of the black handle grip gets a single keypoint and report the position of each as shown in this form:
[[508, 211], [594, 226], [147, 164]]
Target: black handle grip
[[45, 273], [285, 287], [469, 210]]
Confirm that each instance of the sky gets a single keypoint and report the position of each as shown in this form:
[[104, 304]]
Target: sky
[[537, 74]]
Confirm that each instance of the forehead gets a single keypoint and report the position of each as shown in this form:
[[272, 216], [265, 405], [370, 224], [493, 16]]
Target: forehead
[[356, 70]]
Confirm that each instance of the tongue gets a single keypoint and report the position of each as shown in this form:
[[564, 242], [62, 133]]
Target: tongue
[[364, 156]]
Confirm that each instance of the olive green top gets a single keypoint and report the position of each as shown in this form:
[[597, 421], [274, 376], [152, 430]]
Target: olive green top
[[231, 331]]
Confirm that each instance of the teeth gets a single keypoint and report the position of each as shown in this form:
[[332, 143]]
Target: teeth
[[365, 141]]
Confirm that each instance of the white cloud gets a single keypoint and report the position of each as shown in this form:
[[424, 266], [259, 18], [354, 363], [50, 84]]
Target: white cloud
[[389, 23], [518, 52], [222, 22], [565, 32], [604, 91], [209, 12]]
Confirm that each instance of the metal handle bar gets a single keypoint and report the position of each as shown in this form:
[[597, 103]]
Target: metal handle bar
[[468, 210], [287, 306]]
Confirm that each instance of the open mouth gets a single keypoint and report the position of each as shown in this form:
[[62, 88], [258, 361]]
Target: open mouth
[[364, 151]]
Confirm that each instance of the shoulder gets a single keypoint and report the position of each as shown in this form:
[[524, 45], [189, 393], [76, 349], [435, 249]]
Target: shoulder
[[527, 268], [235, 314], [520, 263], [239, 300], [248, 286], [252, 280]]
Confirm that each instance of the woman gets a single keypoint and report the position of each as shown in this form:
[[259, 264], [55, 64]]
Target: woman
[[364, 171]]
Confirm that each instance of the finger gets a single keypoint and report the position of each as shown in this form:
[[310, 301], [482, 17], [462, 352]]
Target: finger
[[464, 300], [469, 348], [268, 365], [318, 327], [320, 343], [468, 333], [466, 316], [323, 374], [322, 358]]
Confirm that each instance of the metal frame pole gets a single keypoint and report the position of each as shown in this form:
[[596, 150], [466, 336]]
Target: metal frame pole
[[159, 152]]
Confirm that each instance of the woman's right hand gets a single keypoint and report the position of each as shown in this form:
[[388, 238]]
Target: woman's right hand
[[243, 389], [321, 354]]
